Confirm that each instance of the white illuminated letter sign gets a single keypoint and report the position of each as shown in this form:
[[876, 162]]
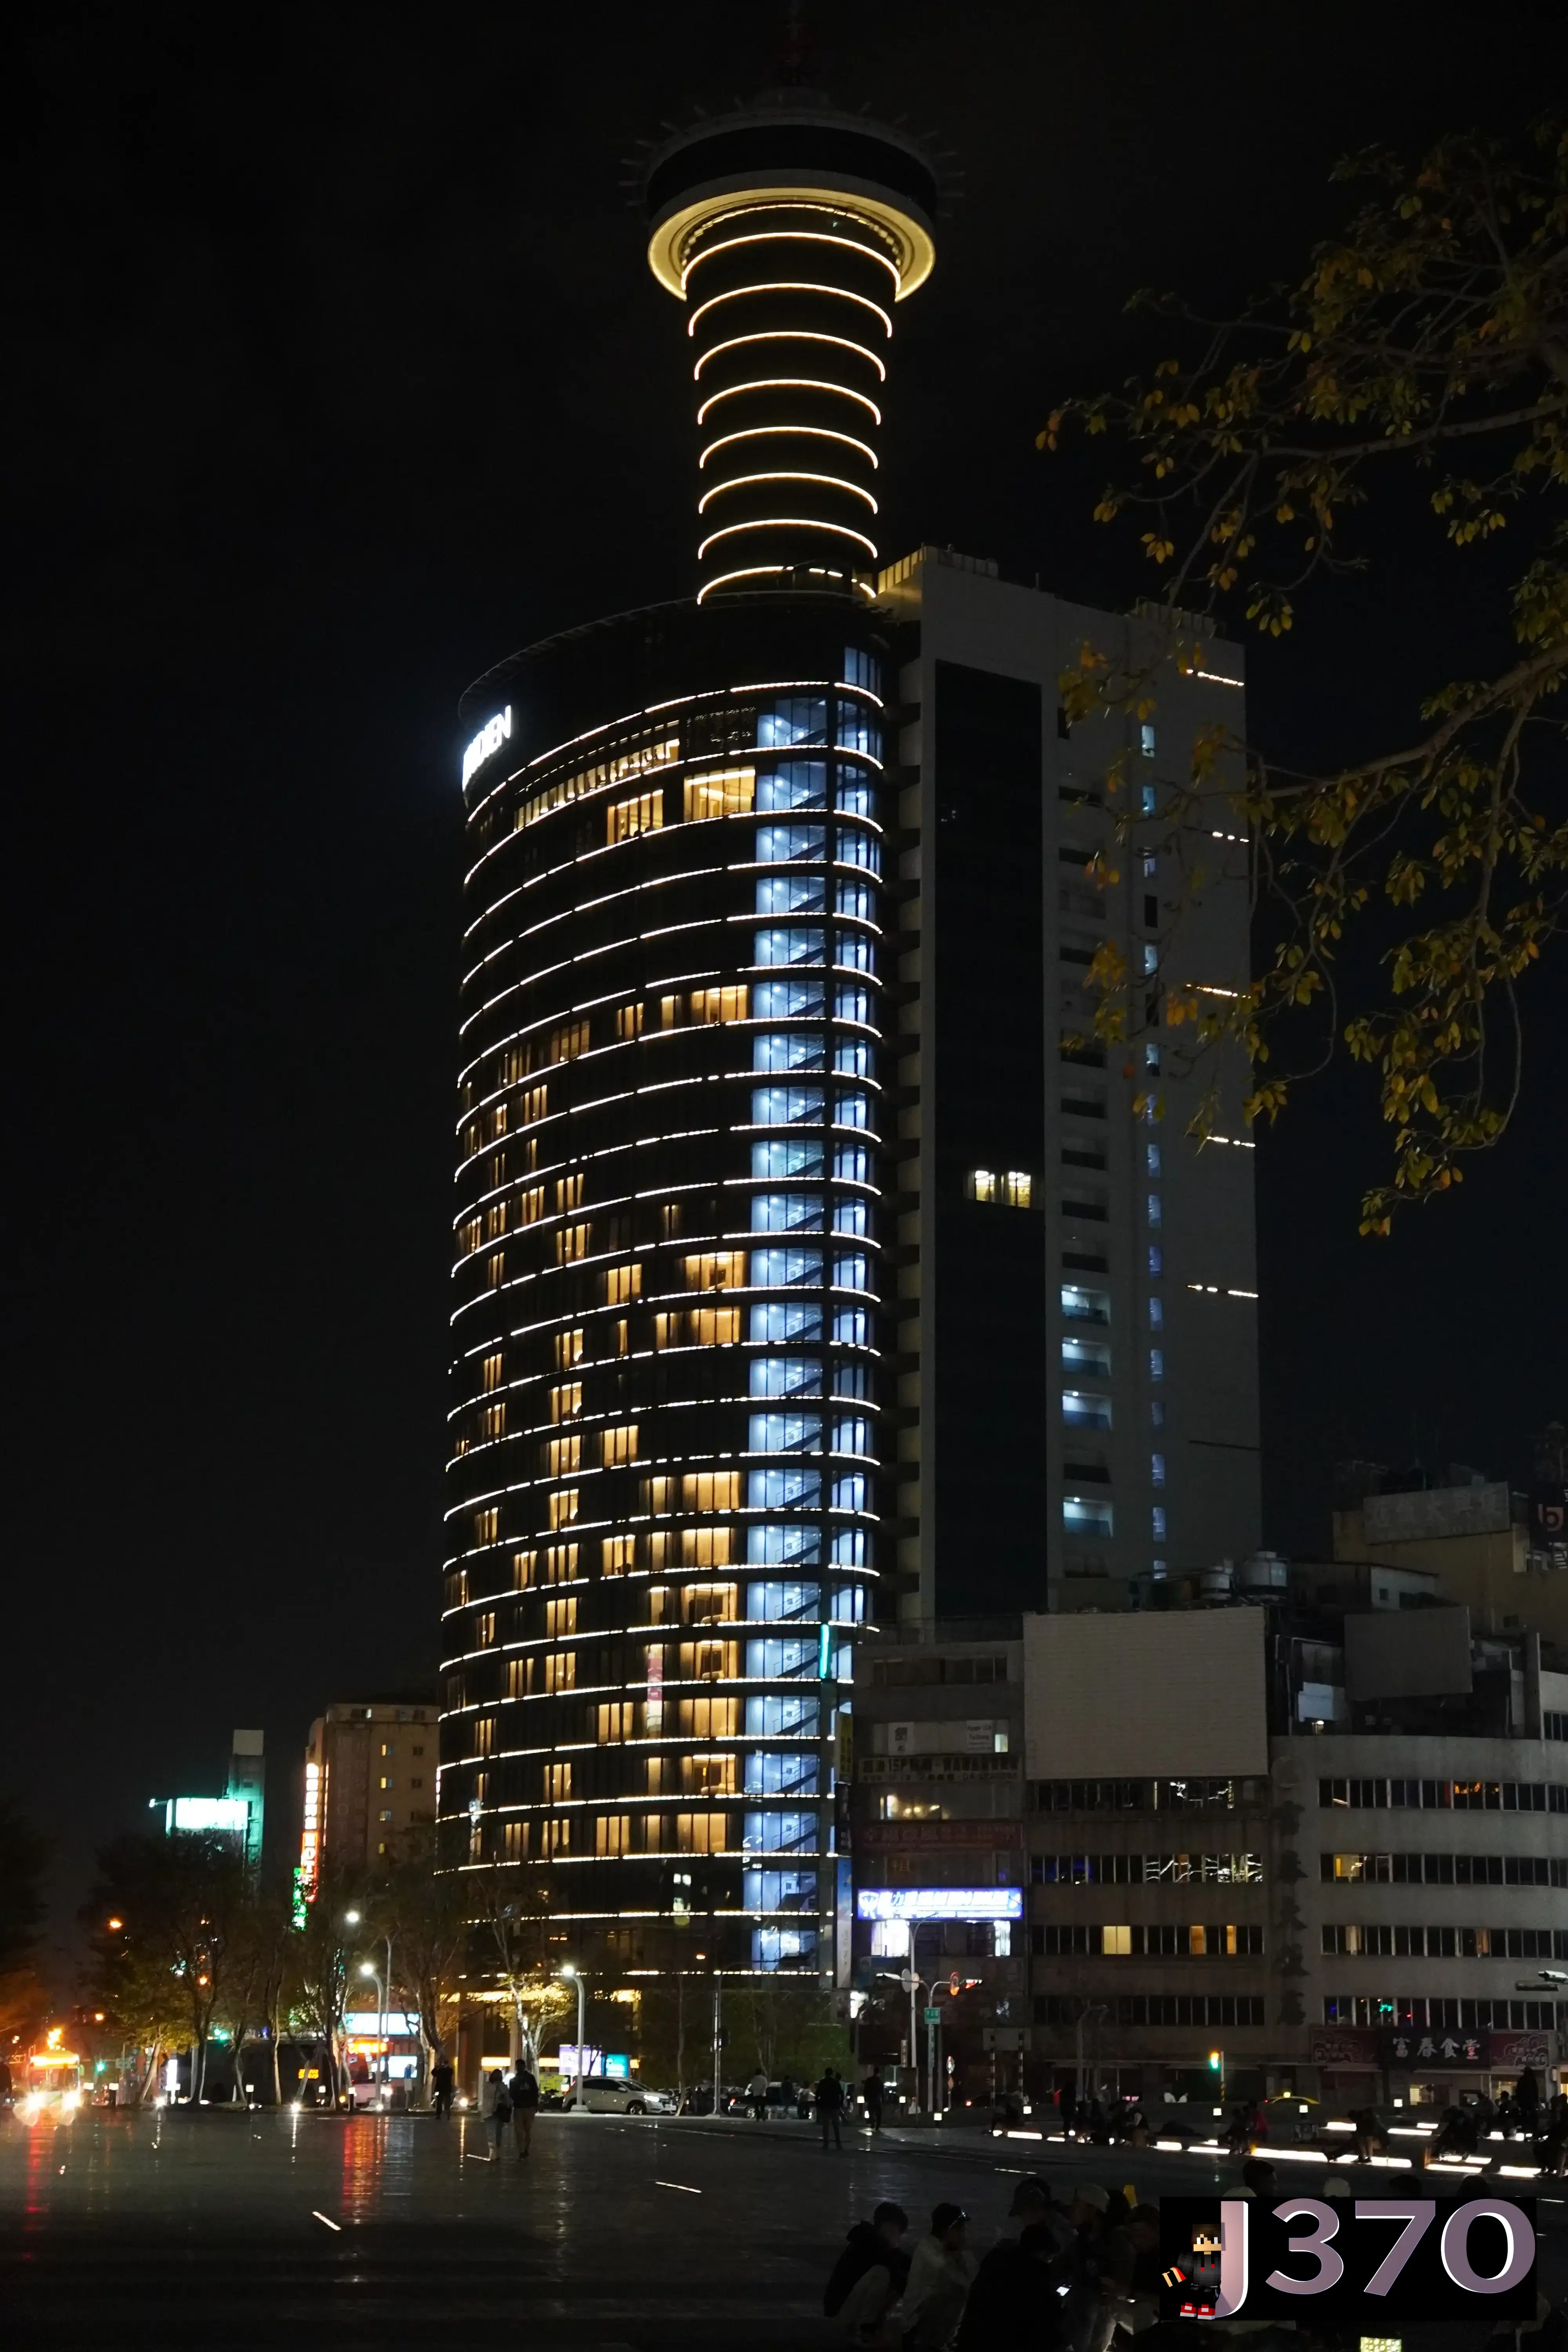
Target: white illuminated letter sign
[[490, 736]]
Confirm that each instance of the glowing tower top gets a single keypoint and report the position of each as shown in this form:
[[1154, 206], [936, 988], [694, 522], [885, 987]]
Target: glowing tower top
[[790, 230]]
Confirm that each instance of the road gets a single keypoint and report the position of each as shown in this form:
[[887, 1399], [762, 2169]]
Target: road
[[618, 2235]]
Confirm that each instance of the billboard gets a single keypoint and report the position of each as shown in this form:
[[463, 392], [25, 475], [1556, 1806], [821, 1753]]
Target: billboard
[[939, 1903], [1177, 1691]]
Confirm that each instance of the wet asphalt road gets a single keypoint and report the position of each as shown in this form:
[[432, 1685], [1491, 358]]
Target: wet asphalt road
[[618, 2234]]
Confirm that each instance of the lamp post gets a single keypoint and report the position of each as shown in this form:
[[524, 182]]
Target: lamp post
[[368, 1969], [574, 1975]]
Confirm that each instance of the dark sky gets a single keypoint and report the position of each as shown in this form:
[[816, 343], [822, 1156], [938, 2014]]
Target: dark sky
[[339, 374]]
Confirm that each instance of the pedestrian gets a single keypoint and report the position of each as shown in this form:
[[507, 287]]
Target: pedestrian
[[523, 2092], [757, 2098], [941, 2271], [872, 2092], [869, 2276], [498, 2111], [1527, 2099], [1011, 2295], [441, 2086], [1258, 2178], [830, 2106]]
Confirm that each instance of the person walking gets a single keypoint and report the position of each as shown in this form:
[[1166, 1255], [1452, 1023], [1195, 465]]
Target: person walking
[[757, 2098], [498, 2111], [872, 2092], [441, 2084], [830, 2106], [522, 2090], [941, 2270]]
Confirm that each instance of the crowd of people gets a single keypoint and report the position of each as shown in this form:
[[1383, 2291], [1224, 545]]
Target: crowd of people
[[1064, 2273]]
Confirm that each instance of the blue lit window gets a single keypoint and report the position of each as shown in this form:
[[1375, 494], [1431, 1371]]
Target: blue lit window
[[782, 999], [1150, 1158], [784, 1948], [1081, 1410], [789, 1049], [1156, 1258], [1151, 1208], [860, 849], [848, 1381], [1081, 1306], [782, 1714], [850, 1326], [770, 1490], [777, 1321], [782, 1832], [805, 945], [794, 718], [853, 950], [776, 1546], [780, 1376], [1151, 864], [792, 784], [1146, 738], [785, 1433], [1151, 952], [851, 1005], [1157, 1412], [783, 1772], [850, 1217], [779, 1890], [852, 899], [791, 894], [1156, 1469], [852, 1057], [1156, 1314], [777, 845], [777, 1603], [1157, 1522], [786, 1106], [787, 1155], [1156, 1363], [1088, 1515], [849, 1494], [1151, 1057], [1085, 1356], [786, 1212], [850, 1437], [862, 669], [857, 730], [852, 1110], [783, 1657], [849, 1600], [772, 1269], [854, 793], [851, 1164], [850, 1273]]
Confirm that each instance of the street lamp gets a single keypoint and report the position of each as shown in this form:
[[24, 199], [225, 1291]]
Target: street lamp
[[575, 1976], [368, 1969]]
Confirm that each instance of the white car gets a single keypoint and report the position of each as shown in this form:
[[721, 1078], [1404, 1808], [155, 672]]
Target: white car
[[617, 2094]]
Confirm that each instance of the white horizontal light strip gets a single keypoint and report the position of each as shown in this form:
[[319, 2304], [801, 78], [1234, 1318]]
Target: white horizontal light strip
[[741, 481], [786, 286], [787, 384], [788, 335], [763, 432], [788, 523], [798, 236]]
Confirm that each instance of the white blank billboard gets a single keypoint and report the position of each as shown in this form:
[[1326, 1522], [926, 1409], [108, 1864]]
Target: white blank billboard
[[1159, 1692]]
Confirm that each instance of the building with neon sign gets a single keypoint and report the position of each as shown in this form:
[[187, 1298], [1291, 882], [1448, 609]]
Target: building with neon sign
[[772, 1315]]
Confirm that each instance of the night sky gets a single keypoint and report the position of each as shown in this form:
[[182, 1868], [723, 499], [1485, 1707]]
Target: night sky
[[341, 375]]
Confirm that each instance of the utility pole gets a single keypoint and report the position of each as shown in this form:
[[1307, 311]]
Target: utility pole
[[718, 2040]]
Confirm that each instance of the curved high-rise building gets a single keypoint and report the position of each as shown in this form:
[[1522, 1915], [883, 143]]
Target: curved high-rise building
[[665, 1484], [817, 1274]]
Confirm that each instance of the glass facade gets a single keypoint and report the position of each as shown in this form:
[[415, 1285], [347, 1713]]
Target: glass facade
[[662, 1506]]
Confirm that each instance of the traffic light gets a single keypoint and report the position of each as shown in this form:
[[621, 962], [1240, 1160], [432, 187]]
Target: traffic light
[[1216, 2062]]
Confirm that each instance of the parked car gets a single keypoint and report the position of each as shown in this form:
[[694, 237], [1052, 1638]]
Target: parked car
[[617, 2095]]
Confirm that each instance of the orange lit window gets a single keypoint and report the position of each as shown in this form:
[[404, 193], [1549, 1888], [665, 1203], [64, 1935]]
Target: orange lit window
[[487, 1524], [566, 1401], [621, 1283], [568, 1350], [645, 814], [559, 1670], [562, 1507], [719, 1003], [563, 1455], [618, 1446], [469, 1236], [524, 1564], [492, 1371], [571, 1243], [561, 1616], [618, 1555], [630, 1020], [722, 791], [716, 1270]]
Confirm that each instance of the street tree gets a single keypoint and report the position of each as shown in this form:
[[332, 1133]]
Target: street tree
[[511, 1912], [180, 1900], [323, 1952], [426, 1910], [1425, 351], [260, 1978]]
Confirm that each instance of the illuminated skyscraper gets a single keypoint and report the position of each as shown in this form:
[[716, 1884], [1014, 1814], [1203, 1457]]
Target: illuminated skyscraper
[[703, 1160]]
